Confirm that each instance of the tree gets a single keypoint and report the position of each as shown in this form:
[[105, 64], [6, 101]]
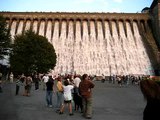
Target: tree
[[4, 38], [32, 53]]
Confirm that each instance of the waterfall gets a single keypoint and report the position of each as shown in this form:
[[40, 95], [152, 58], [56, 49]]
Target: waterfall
[[77, 48], [13, 30], [35, 26], [55, 42], [20, 27], [108, 41], [142, 57], [84, 48], [70, 46], [41, 28], [92, 46], [122, 63], [49, 31], [63, 48], [28, 25]]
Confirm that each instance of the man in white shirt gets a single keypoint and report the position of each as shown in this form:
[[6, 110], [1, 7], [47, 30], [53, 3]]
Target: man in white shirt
[[45, 80], [76, 81], [76, 97]]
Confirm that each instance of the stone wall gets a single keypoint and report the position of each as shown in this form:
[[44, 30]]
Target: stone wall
[[46, 17], [155, 16], [93, 43]]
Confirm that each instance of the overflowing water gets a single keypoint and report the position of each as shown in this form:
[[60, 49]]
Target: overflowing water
[[94, 48]]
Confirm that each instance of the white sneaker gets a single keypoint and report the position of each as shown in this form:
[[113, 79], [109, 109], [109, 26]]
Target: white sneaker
[[50, 106]]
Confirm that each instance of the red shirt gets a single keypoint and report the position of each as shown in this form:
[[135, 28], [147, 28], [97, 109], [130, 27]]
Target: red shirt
[[85, 88]]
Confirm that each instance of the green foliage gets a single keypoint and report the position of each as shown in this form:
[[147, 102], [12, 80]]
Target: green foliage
[[32, 53], [4, 38]]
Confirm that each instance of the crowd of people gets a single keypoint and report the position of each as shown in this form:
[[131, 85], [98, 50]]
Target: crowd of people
[[69, 89], [124, 80], [77, 89]]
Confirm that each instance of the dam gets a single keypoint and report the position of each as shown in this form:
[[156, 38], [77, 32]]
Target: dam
[[93, 43]]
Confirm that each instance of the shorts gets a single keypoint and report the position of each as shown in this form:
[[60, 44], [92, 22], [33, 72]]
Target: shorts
[[67, 101]]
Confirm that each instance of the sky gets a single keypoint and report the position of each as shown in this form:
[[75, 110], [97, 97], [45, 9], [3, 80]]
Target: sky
[[120, 6]]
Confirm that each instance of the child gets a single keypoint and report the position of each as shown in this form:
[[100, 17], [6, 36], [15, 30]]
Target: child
[[67, 97]]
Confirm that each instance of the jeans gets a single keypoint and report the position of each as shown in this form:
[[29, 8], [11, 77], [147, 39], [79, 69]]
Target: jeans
[[49, 97], [59, 99], [17, 89]]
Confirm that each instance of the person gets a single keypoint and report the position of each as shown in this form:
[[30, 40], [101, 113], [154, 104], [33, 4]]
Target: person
[[119, 79], [45, 79], [22, 78], [59, 93], [18, 83], [36, 82], [49, 91], [103, 78], [0, 82], [151, 92], [28, 85], [0, 76], [85, 87], [67, 97], [1, 86], [76, 96], [11, 77], [77, 80]]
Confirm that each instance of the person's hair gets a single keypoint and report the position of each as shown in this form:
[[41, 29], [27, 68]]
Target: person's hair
[[50, 77], [66, 82], [59, 78], [150, 89], [84, 76]]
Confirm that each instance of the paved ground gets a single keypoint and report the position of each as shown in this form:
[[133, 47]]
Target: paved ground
[[111, 102]]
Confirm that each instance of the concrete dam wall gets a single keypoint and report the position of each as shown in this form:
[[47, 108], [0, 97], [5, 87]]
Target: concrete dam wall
[[93, 43]]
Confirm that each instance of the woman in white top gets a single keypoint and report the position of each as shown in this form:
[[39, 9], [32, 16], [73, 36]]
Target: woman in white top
[[67, 97]]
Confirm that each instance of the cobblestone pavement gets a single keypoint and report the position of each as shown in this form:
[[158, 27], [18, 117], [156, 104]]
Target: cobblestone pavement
[[110, 102]]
